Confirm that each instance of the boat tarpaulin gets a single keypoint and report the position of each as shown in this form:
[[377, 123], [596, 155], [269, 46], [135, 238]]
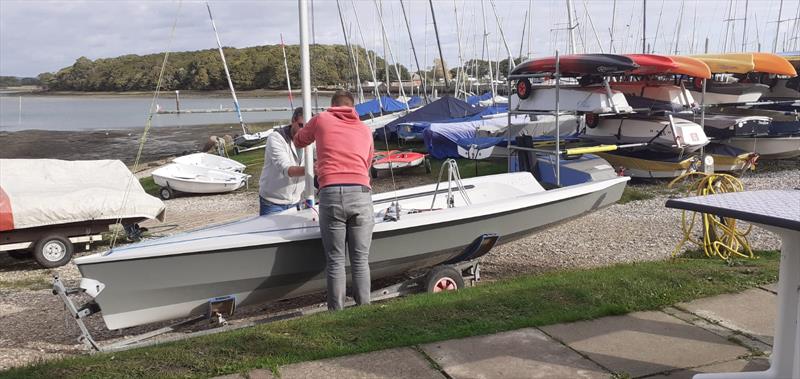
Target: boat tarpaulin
[[40, 192], [374, 107], [476, 99], [445, 109]]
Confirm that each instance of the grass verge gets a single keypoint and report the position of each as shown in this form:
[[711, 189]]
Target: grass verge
[[555, 297], [634, 194]]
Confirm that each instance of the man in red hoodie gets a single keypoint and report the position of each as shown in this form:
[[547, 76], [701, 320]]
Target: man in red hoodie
[[344, 156]]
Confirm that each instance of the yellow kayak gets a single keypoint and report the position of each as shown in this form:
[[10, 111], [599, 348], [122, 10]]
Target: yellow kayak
[[743, 63]]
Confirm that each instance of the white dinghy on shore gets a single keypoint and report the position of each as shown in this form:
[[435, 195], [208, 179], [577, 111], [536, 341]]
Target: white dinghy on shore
[[211, 161], [177, 177]]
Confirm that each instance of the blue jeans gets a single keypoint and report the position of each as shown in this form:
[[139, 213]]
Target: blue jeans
[[266, 207], [345, 221]]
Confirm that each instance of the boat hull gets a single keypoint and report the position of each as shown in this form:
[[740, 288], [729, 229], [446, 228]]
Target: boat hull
[[768, 147], [159, 288], [655, 131], [639, 167]]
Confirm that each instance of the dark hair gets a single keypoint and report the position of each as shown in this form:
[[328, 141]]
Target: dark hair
[[342, 98], [298, 112]]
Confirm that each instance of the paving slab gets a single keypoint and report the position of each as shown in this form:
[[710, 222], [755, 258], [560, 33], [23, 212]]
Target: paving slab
[[394, 363], [738, 365], [645, 343], [523, 353], [751, 312]]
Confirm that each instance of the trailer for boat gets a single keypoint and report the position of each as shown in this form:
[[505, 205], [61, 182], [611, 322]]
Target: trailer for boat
[[49, 206]]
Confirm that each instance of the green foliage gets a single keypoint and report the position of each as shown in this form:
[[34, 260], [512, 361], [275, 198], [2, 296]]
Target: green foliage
[[251, 68], [13, 81]]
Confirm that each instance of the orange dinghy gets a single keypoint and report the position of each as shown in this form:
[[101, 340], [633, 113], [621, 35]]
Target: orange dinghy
[[651, 64], [395, 159], [691, 66]]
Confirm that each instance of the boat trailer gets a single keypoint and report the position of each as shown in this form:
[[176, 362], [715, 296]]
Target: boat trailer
[[444, 277]]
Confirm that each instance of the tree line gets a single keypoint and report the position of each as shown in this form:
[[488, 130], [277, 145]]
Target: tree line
[[14, 81], [259, 67]]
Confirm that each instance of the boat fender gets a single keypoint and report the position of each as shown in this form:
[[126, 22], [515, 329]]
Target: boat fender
[[91, 287]]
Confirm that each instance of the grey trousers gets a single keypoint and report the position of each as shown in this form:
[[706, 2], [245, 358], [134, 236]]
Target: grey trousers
[[346, 220]]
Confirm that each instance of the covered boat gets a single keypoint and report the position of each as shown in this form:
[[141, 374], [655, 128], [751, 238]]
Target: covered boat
[[736, 87], [47, 205], [662, 133]]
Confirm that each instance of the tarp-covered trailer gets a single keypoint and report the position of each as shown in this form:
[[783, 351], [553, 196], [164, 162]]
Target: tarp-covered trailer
[[47, 205]]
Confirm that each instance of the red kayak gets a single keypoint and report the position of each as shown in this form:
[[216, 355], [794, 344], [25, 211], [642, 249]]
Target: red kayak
[[395, 159], [577, 65]]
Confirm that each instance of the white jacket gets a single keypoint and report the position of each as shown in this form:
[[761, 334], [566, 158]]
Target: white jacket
[[275, 185]]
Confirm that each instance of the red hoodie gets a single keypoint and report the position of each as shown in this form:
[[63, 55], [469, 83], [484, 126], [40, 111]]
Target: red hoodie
[[344, 146]]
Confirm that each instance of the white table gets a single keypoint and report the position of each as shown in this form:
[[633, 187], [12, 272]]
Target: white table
[[778, 212]]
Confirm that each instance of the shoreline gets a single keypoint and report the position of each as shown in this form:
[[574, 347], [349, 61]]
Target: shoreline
[[257, 93], [122, 144]]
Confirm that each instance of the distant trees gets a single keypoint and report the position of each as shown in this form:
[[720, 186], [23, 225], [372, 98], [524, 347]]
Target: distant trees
[[251, 68], [13, 81]]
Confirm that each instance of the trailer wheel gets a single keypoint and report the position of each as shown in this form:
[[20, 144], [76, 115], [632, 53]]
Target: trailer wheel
[[373, 172], [444, 278], [20, 254], [165, 193], [53, 251]]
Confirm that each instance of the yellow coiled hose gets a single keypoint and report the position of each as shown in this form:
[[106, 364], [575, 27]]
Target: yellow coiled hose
[[721, 237]]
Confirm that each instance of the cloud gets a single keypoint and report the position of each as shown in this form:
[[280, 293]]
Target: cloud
[[38, 36]]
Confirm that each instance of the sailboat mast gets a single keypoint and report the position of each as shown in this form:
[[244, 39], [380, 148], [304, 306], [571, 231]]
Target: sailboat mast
[[347, 45], [644, 26], [227, 73], [414, 50], [613, 19], [486, 49], [286, 67], [591, 23], [391, 55], [305, 79], [372, 69], [439, 44], [777, 28], [570, 28], [511, 62]]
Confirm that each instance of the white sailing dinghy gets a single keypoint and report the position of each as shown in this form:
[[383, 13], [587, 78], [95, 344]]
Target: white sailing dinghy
[[212, 161], [177, 177]]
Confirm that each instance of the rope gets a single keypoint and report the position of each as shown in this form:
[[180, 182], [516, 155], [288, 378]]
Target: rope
[[721, 237], [148, 123]]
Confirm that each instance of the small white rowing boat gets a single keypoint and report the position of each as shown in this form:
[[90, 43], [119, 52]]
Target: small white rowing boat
[[215, 162], [176, 177]]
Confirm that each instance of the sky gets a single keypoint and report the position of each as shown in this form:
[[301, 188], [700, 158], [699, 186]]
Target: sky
[[44, 36]]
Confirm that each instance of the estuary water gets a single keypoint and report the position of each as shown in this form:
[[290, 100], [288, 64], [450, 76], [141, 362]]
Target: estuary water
[[96, 113]]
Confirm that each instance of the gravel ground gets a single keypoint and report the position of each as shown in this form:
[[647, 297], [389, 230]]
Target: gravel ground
[[34, 326]]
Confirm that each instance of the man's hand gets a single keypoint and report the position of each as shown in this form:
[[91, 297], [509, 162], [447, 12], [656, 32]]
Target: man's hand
[[296, 171]]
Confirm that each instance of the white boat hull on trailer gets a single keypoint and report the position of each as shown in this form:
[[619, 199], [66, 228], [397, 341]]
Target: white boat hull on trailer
[[683, 135], [275, 257], [196, 179], [210, 161], [591, 99]]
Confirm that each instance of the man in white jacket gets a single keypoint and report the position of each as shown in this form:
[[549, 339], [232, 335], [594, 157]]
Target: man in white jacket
[[282, 178]]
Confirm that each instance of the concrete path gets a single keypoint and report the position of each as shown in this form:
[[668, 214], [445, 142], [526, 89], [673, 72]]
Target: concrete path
[[726, 333]]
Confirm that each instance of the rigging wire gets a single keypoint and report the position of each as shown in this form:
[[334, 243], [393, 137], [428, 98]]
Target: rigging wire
[[148, 123]]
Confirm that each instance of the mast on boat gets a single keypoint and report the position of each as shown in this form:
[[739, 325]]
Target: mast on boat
[[391, 55], [439, 44], [414, 50], [611, 31], [375, 89], [305, 79], [571, 28], [644, 27], [511, 62], [227, 73], [353, 62], [486, 49], [286, 67], [777, 28]]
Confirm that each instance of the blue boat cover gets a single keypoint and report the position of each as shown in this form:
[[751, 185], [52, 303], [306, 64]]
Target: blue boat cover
[[474, 100], [445, 109], [374, 107], [414, 101]]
